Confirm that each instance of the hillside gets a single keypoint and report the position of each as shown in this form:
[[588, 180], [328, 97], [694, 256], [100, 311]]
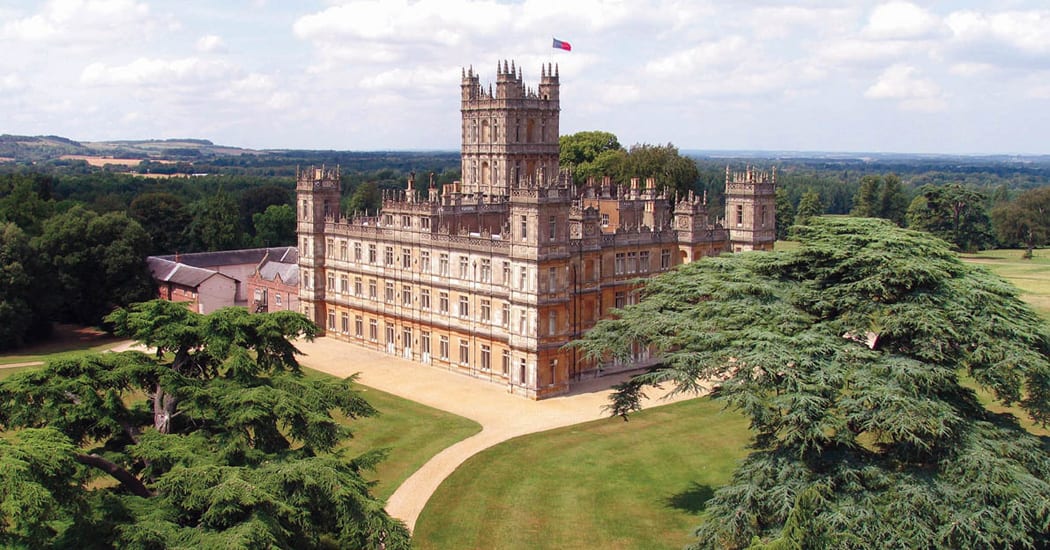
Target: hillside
[[30, 149]]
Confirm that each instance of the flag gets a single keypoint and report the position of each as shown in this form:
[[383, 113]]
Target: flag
[[559, 45]]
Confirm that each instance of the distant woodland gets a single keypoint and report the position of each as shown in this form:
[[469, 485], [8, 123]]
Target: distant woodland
[[75, 228]]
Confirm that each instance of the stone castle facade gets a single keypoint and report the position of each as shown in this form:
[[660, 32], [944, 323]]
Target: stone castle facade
[[492, 275]]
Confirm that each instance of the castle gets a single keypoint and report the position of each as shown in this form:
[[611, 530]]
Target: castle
[[492, 275]]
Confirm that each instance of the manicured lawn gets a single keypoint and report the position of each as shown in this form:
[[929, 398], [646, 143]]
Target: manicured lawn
[[67, 340], [603, 484], [1032, 277], [412, 432]]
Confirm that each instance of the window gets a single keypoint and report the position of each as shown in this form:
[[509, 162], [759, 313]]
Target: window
[[739, 215], [406, 221], [345, 323], [357, 252], [373, 330], [388, 219], [390, 333], [424, 261], [632, 262], [443, 302], [554, 370], [522, 278], [277, 299], [424, 222], [486, 311], [406, 337], [522, 371], [506, 273], [523, 324], [406, 258], [486, 359], [308, 281], [621, 299], [643, 261], [605, 220], [506, 316], [552, 228], [443, 264], [343, 250], [389, 291], [329, 248], [552, 323], [552, 279], [424, 341], [424, 298], [372, 291], [443, 348], [331, 282], [464, 352], [464, 267], [524, 228], [486, 270], [665, 259], [621, 259], [764, 215], [371, 253], [506, 362], [388, 255], [406, 295], [464, 306], [358, 288], [344, 284], [359, 326], [331, 320]]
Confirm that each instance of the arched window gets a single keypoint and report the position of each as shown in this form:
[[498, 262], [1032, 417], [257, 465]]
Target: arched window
[[486, 132], [530, 129], [486, 173]]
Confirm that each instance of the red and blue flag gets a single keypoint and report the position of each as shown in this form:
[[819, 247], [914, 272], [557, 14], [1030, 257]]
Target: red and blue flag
[[559, 45]]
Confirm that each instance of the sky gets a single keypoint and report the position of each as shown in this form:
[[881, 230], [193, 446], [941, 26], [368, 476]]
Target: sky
[[959, 77]]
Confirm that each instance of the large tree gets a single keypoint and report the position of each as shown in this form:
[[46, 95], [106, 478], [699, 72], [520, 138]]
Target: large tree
[[1024, 221], [809, 206], [275, 226], [213, 439], [165, 217], [216, 223], [581, 152], [848, 356], [954, 213], [93, 263]]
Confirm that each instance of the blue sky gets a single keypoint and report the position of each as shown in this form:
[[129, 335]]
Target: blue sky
[[930, 77]]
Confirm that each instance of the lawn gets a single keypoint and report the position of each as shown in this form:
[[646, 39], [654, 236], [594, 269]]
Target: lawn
[[1032, 277], [603, 484], [67, 340]]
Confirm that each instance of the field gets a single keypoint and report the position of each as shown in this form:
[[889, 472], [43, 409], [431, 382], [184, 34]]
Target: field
[[603, 484], [1032, 277]]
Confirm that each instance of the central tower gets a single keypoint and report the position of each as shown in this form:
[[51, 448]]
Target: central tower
[[510, 135]]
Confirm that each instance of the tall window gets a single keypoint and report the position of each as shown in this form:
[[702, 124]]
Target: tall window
[[331, 321], [443, 264], [424, 222], [552, 228], [388, 255], [464, 352], [424, 261], [621, 259], [486, 270], [443, 302], [621, 299], [331, 282], [357, 252], [406, 221], [443, 348], [344, 320], [424, 341], [344, 284], [359, 326], [739, 214], [373, 330], [329, 248], [506, 316], [372, 291], [643, 261], [342, 250], [464, 267], [506, 362], [524, 228], [632, 262], [486, 311], [552, 323], [552, 279], [371, 253], [406, 258], [406, 295], [424, 299], [358, 288], [523, 278], [389, 291], [506, 273], [464, 306], [665, 259], [486, 357]]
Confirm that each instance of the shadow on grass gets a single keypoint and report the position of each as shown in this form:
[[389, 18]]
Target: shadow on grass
[[692, 500]]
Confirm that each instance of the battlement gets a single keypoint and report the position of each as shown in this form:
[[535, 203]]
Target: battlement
[[510, 84], [317, 178]]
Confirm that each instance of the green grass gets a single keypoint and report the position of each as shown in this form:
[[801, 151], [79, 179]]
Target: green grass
[[604, 484], [1032, 277], [67, 340]]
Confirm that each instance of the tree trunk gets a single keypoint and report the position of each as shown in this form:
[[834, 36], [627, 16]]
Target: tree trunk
[[163, 410], [126, 479]]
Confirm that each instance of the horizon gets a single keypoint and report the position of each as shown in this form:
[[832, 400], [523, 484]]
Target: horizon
[[969, 79]]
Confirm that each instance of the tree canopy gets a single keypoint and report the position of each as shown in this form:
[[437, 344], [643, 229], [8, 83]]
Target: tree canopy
[[954, 213], [847, 355], [1024, 221], [213, 439]]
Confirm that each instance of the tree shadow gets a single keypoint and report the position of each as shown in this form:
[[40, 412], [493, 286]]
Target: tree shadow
[[693, 499]]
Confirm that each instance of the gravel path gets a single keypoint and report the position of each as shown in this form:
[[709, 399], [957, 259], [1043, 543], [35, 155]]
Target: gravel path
[[501, 415]]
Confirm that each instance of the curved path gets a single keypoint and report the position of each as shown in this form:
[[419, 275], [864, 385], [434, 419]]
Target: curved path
[[501, 415]]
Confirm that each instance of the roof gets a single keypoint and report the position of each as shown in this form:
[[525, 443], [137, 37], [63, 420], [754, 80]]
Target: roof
[[247, 256], [180, 274], [288, 272]]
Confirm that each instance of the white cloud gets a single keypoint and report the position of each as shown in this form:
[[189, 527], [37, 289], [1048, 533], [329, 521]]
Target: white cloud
[[80, 22], [1025, 32], [901, 21], [210, 43], [721, 53], [904, 84], [11, 83], [154, 72]]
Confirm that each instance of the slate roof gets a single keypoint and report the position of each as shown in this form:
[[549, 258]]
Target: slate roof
[[181, 274], [233, 257], [288, 272]]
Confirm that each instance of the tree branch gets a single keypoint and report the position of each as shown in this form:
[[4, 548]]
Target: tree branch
[[126, 479]]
